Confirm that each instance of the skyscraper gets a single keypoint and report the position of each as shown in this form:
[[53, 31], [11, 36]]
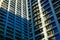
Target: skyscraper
[[44, 19], [13, 20], [29, 19]]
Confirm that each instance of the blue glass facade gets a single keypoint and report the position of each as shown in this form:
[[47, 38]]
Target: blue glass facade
[[13, 20], [11, 26]]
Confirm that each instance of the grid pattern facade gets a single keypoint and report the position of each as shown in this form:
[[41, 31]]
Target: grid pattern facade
[[29, 19], [44, 19], [13, 20]]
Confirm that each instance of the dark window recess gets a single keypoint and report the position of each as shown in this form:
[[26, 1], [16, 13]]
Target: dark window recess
[[52, 38], [58, 15], [40, 37], [57, 37], [59, 20], [38, 31], [49, 9], [53, 24], [55, 30], [53, 1], [52, 18]]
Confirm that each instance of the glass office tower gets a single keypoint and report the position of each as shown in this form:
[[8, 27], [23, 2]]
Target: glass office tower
[[13, 20], [44, 19]]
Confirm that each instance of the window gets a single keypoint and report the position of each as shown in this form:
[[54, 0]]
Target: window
[[36, 27], [36, 23], [47, 21], [49, 9], [38, 31], [30, 29], [43, 9], [31, 34], [44, 12], [40, 25], [53, 1], [52, 18], [48, 27], [45, 17], [41, 1], [53, 24], [44, 2], [40, 37], [59, 20], [57, 4], [57, 37], [58, 15], [50, 32], [52, 38], [57, 10], [50, 13], [55, 30]]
